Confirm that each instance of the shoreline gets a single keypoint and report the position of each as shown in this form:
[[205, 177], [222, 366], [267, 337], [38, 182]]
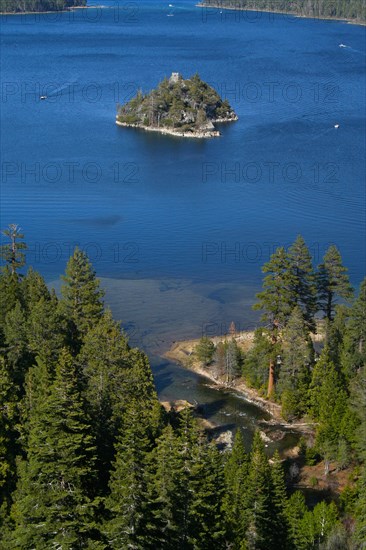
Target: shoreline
[[168, 131], [66, 10], [181, 352], [279, 12]]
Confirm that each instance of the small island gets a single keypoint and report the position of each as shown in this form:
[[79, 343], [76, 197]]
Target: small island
[[178, 106]]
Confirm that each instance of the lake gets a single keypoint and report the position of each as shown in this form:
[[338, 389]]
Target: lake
[[178, 229]]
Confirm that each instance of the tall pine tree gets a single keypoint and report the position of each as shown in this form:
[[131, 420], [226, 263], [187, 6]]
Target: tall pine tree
[[333, 282], [82, 296], [297, 357], [304, 280], [236, 474], [126, 502]]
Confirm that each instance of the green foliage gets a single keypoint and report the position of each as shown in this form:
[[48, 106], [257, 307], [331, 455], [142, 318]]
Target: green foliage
[[103, 360], [82, 297], [10, 294], [8, 438], [23, 6], [126, 501], [185, 104], [258, 501], [295, 511], [290, 281], [255, 367], [277, 298], [309, 529], [279, 503], [354, 342], [297, 357], [304, 280], [205, 350], [33, 288], [59, 469], [358, 405], [16, 340], [46, 330], [360, 532], [333, 282], [89, 460], [236, 473], [348, 9]]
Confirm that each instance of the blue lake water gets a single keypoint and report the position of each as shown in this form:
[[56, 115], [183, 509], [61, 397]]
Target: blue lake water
[[178, 229]]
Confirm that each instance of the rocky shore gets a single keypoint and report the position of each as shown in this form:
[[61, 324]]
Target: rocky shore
[[172, 132], [182, 353]]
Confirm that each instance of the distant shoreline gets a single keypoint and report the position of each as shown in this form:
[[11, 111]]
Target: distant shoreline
[[66, 10], [340, 19]]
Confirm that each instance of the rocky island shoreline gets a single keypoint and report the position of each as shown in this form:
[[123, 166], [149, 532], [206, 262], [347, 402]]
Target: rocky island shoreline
[[187, 108]]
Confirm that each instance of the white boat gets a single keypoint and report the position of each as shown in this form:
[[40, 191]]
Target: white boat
[[336, 126], [342, 46], [43, 97]]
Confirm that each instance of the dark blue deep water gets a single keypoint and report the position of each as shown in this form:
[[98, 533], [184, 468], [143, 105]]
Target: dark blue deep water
[[178, 229]]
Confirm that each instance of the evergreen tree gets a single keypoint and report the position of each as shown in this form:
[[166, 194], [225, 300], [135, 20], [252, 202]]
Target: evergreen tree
[[277, 298], [354, 343], [8, 441], [304, 280], [10, 294], [255, 367], [316, 525], [104, 363], [335, 332], [188, 440], [232, 361], [295, 511], [12, 252], [296, 359], [127, 500], [358, 404], [205, 350], [329, 403], [280, 524], [53, 505], [258, 501], [16, 339], [333, 282], [207, 528], [82, 296], [164, 498], [357, 322], [46, 329], [236, 479], [360, 531], [33, 289]]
